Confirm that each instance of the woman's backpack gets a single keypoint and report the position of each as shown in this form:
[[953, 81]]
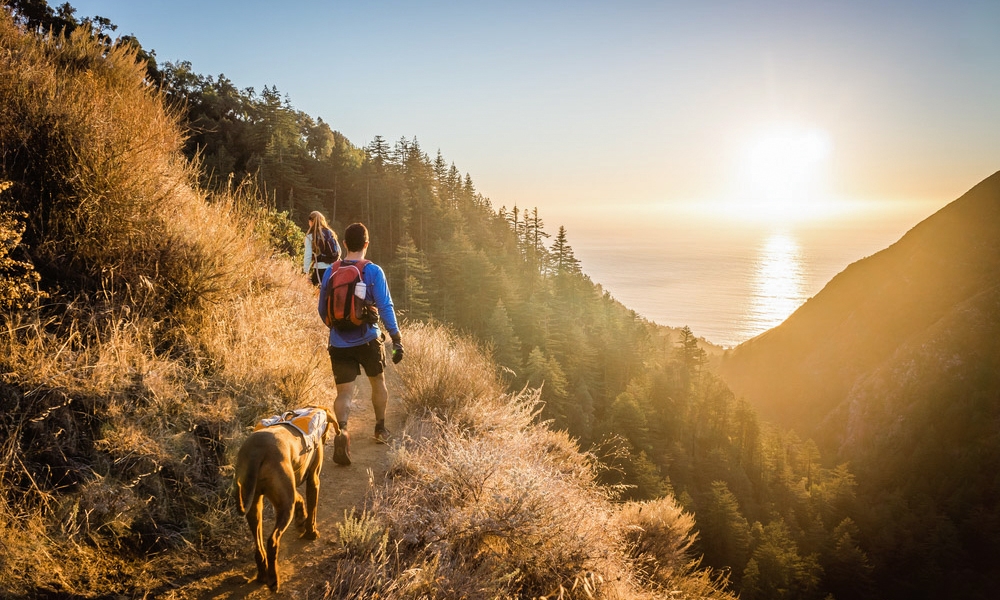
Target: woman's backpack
[[329, 251]]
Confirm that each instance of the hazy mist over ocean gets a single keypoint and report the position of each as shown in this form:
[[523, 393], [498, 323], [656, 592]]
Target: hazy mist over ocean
[[727, 282]]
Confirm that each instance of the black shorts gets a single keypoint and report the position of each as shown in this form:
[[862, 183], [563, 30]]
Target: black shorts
[[347, 362]]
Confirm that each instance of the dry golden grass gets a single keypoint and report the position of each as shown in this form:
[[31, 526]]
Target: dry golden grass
[[169, 329], [484, 501]]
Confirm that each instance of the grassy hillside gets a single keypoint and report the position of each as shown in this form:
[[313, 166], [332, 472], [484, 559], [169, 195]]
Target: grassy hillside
[[159, 327], [147, 323]]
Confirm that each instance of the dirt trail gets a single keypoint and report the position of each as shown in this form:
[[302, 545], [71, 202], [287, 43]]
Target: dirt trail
[[342, 488]]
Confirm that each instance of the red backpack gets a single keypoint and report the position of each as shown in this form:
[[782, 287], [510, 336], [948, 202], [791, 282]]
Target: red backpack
[[344, 309]]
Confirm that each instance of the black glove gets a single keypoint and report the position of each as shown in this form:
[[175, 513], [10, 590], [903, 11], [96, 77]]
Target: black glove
[[397, 353]]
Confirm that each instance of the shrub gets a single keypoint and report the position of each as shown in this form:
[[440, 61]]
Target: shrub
[[18, 279], [658, 536], [444, 372]]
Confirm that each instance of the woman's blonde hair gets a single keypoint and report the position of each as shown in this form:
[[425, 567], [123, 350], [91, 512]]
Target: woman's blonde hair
[[317, 223]]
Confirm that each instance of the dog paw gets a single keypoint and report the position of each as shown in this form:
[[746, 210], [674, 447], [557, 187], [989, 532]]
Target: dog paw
[[310, 535]]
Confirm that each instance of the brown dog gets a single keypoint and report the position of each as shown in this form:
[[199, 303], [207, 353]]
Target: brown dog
[[273, 461]]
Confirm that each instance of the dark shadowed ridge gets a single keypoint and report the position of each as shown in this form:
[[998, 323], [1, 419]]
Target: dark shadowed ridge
[[802, 373]]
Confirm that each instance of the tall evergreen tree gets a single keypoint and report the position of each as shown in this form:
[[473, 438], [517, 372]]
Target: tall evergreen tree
[[563, 260], [411, 272], [725, 533], [504, 343]]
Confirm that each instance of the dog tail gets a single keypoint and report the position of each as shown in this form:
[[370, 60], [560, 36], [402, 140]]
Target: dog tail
[[246, 485]]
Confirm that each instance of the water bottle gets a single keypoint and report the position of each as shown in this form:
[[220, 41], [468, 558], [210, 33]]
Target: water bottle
[[359, 289]]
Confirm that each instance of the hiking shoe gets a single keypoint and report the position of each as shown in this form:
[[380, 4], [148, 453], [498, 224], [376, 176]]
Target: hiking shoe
[[381, 434], [342, 449]]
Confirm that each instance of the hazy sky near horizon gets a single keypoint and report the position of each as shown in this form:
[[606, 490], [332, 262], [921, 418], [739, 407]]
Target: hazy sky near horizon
[[578, 105]]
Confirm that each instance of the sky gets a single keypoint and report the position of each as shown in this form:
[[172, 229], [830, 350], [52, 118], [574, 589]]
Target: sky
[[580, 108]]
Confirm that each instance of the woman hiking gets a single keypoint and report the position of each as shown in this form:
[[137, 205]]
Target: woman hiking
[[322, 248]]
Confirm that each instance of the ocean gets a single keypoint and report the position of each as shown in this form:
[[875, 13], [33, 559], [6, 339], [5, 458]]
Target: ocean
[[727, 282]]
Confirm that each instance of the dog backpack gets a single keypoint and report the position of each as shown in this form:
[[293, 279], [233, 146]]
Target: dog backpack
[[346, 306], [310, 422]]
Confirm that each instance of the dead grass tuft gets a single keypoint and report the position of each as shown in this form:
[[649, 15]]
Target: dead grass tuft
[[443, 371], [658, 536]]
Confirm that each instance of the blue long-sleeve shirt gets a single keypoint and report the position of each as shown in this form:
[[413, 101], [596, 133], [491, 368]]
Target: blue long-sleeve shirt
[[377, 290]]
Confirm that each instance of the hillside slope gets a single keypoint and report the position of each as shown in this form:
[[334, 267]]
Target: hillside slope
[[800, 371], [895, 367]]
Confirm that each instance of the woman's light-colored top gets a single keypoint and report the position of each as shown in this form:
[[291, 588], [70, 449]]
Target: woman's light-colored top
[[308, 257]]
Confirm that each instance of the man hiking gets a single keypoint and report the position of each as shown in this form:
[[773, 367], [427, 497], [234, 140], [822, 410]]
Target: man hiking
[[354, 294]]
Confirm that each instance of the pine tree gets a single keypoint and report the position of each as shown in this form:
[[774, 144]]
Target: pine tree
[[725, 533], [628, 420], [848, 570], [411, 271], [778, 570], [505, 345], [534, 243], [378, 152], [544, 372], [690, 356], [564, 262]]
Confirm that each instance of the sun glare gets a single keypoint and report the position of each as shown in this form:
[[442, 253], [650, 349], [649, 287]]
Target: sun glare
[[784, 173], [784, 163], [781, 177]]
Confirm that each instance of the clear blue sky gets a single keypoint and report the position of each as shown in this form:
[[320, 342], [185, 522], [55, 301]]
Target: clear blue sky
[[567, 105]]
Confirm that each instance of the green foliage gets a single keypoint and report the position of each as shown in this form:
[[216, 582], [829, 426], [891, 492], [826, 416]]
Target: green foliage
[[411, 276], [776, 570], [282, 234], [504, 343], [848, 569], [724, 530], [362, 535]]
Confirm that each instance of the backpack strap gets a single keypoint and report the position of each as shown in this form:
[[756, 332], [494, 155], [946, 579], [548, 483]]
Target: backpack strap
[[360, 264]]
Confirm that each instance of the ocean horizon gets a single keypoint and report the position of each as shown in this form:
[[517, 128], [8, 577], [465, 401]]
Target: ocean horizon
[[728, 283]]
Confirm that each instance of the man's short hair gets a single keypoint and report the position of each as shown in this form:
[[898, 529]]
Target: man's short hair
[[355, 237]]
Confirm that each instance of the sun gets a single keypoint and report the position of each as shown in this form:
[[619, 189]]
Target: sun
[[784, 162], [782, 175]]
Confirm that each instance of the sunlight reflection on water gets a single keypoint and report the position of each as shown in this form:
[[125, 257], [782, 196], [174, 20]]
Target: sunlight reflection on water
[[778, 284]]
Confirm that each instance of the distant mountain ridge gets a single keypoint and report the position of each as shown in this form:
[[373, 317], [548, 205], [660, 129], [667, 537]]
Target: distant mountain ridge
[[800, 372]]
